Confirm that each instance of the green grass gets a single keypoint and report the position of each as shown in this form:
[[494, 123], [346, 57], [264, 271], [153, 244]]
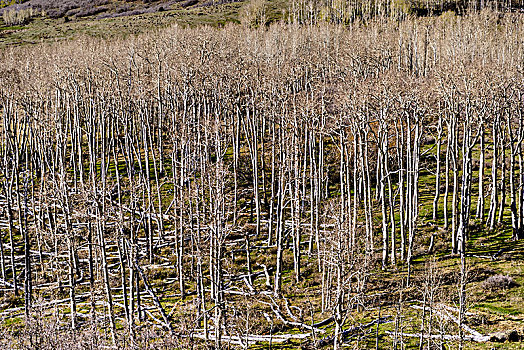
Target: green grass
[[4, 27], [14, 321], [498, 310]]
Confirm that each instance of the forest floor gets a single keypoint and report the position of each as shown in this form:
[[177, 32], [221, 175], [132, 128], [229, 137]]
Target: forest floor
[[496, 312]]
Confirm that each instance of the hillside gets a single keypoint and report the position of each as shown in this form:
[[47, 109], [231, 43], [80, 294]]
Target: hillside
[[52, 20], [35, 21], [345, 179]]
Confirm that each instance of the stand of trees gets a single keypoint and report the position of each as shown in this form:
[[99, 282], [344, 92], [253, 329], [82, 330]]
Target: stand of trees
[[246, 161]]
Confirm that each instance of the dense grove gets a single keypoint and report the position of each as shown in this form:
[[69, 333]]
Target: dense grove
[[214, 187]]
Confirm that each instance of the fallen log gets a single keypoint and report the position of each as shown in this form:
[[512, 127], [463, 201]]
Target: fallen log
[[251, 339], [156, 301], [446, 314], [324, 322], [351, 332], [276, 310], [477, 339]]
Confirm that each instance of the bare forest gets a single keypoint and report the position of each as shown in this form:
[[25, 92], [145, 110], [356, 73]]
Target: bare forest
[[300, 185]]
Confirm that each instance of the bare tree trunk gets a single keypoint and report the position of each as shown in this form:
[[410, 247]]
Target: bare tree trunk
[[502, 204], [280, 233], [494, 169], [446, 190], [437, 174], [383, 178], [480, 203]]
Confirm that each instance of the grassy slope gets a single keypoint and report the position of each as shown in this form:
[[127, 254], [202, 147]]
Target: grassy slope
[[51, 29], [48, 29]]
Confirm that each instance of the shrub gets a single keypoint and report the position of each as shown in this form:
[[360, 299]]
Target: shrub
[[189, 3], [498, 282], [91, 11], [57, 9]]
